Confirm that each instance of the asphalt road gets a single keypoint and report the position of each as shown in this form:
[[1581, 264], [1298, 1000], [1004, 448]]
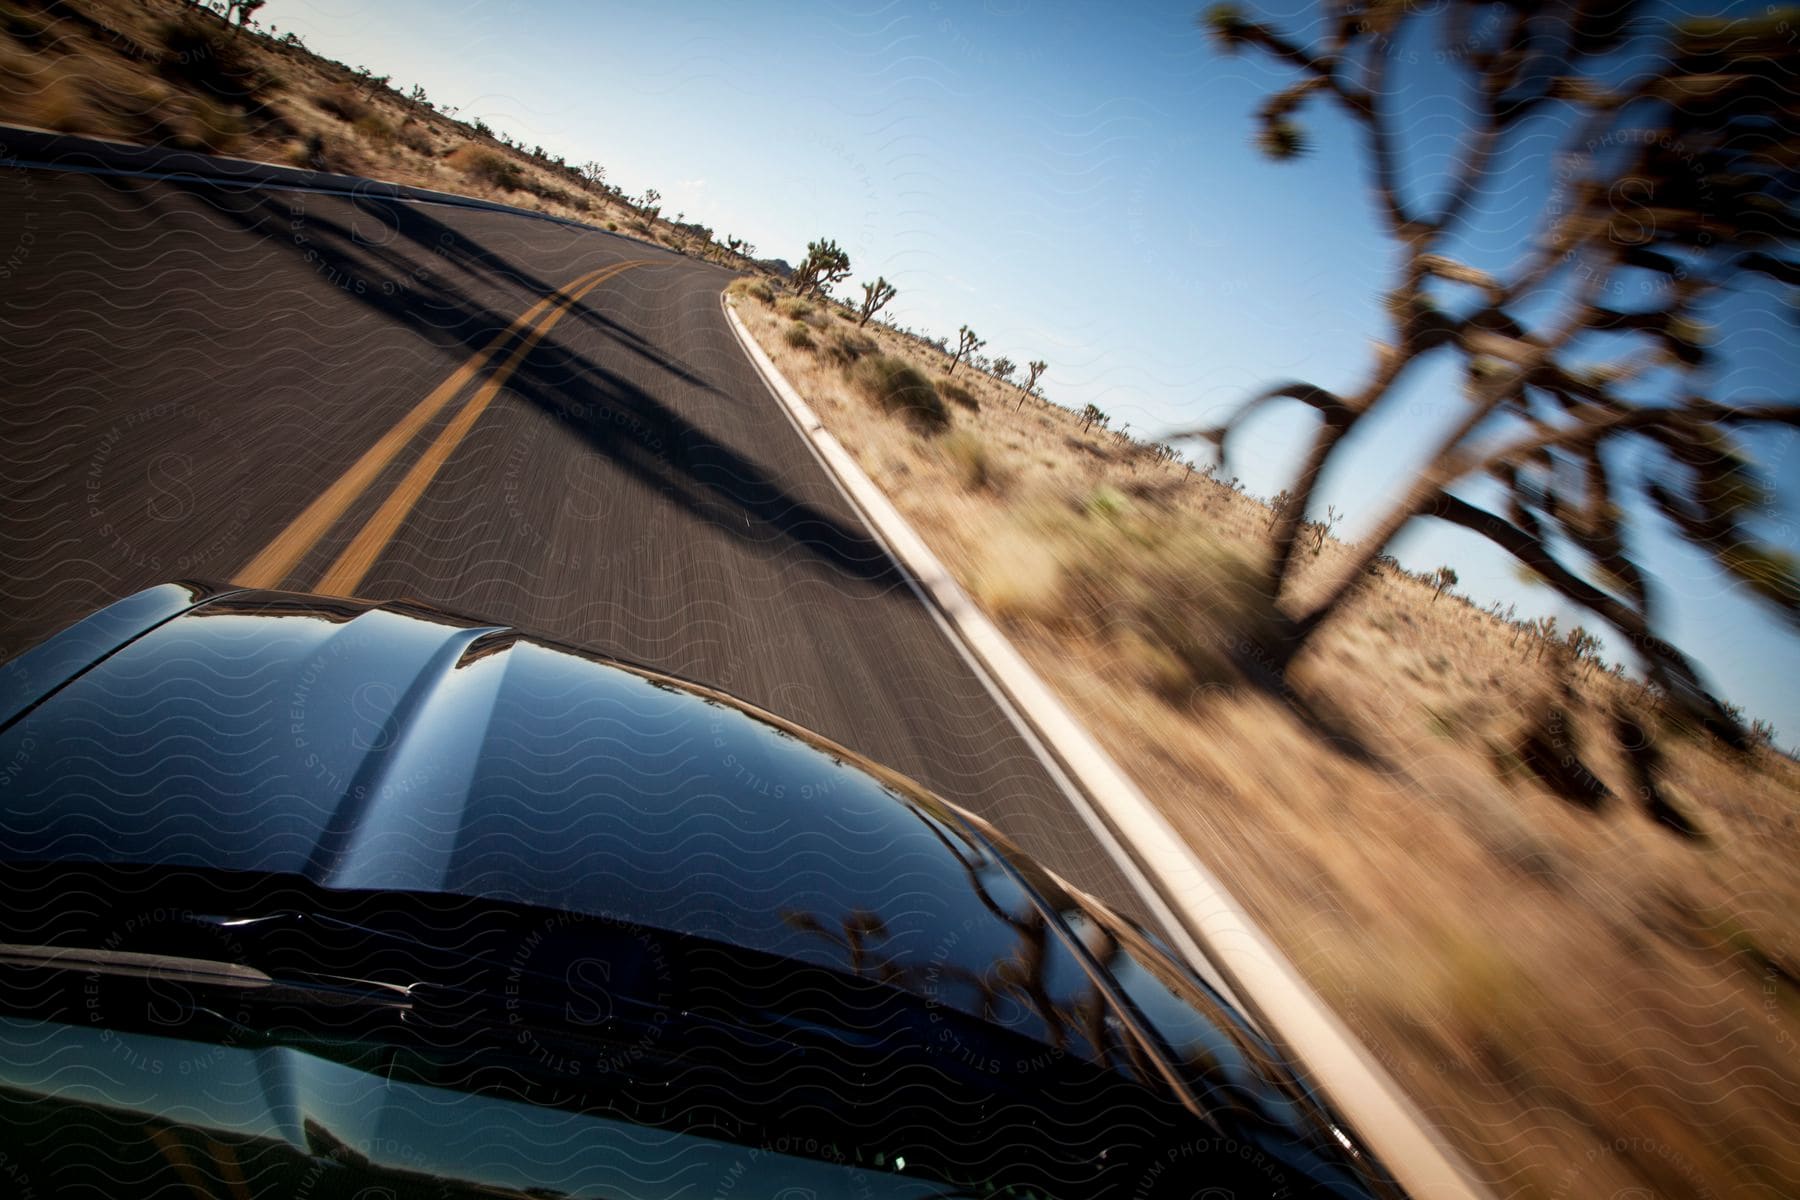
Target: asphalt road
[[204, 382]]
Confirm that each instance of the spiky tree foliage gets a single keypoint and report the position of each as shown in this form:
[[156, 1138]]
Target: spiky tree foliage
[[243, 11], [1443, 577], [825, 264], [1033, 371], [875, 298], [966, 343], [1002, 368], [1583, 645], [1586, 411]]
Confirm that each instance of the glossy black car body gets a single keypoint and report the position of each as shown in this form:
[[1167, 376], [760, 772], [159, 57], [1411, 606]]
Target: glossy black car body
[[303, 896]]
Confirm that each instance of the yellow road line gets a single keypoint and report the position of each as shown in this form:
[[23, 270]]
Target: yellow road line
[[346, 574], [170, 1146], [273, 563], [227, 1163]]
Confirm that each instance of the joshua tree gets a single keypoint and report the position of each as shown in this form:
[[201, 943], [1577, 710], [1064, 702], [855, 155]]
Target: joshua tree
[[825, 264], [966, 343], [1091, 415], [1002, 368], [593, 174], [1674, 186], [1544, 631], [1279, 504], [1583, 645], [875, 298], [1443, 577], [652, 204], [1033, 369], [243, 10], [1321, 530], [371, 82]]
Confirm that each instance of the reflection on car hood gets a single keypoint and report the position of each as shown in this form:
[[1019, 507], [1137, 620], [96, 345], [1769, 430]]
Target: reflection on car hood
[[394, 747], [288, 1123]]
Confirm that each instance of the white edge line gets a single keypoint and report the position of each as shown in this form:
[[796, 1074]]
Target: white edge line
[[1209, 926]]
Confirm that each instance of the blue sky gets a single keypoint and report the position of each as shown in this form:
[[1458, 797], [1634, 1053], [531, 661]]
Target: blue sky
[[1075, 181]]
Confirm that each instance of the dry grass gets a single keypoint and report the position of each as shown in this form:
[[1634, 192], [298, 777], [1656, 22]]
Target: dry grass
[[161, 72], [971, 460], [1584, 1002], [487, 166], [51, 91], [897, 387], [957, 393], [755, 289], [797, 309], [343, 102]]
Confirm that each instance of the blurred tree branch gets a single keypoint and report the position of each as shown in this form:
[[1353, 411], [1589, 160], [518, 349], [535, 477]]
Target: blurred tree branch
[[1590, 415]]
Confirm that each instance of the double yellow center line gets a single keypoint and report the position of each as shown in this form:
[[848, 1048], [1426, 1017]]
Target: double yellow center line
[[272, 565]]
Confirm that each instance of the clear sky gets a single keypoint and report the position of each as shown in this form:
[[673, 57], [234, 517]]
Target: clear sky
[[1074, 180]]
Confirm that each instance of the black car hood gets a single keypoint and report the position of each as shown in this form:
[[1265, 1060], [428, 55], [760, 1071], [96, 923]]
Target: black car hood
[[393, 747]]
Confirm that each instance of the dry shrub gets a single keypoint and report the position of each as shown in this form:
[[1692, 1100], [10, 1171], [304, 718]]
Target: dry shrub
[[487, 166], [798, 336], [207, 126], [974, 464], [552, 195], [847, 347], [114, 103], [414, 138], [956, 393], [200, 53], [343, 102], [372, 128], [793, 306], [319, 153], [29, 28], [898, 387], [756, 289], [1179, 605], [1020, 576]]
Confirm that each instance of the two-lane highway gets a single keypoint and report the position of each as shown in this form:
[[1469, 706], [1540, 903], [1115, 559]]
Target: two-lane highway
[[536, 423]]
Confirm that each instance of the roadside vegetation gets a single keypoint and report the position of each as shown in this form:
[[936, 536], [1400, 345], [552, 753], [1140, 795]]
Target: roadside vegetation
[[1429, 809], [1556, 898], [213, 78]]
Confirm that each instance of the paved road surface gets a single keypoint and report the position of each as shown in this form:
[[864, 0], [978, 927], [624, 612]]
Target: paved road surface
[[198, 381]]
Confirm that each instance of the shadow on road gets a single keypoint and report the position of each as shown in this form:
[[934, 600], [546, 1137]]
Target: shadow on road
[[408, 267]]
